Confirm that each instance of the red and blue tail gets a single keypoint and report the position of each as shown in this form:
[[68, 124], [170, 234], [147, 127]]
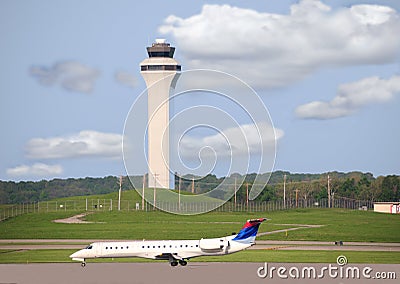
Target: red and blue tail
[[249, 231]]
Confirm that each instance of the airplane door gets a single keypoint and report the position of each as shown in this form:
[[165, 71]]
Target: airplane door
[[98, 250]]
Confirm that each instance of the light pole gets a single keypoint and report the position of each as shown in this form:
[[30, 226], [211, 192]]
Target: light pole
[[154, 191], [329, 193], [284, 191], [179, 193], [247, 196], [119, 193], [144, 181]]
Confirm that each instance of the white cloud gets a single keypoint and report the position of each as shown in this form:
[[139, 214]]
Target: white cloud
[[84, 143], [37, 169], [71, 75], [126, 78], [351, 97], [269, 50], [247, 139]]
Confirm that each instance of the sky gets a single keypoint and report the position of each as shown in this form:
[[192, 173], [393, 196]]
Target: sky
[[327, 71]]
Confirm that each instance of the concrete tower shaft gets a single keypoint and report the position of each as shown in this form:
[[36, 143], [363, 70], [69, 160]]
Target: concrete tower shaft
[[160, 72]]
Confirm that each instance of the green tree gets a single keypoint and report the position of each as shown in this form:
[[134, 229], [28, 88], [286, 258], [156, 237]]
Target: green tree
[[390, 189]]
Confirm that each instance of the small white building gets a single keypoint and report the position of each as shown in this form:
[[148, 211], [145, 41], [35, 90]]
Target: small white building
[[387, 207]]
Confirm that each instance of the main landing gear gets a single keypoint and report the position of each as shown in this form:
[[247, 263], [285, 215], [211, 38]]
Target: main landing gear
[[181, 262], [83, 264]]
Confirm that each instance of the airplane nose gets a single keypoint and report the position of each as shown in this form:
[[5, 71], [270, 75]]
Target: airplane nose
[[75, 254]]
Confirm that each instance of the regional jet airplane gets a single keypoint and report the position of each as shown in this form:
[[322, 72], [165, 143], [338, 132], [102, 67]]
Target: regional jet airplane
[[176, 251]]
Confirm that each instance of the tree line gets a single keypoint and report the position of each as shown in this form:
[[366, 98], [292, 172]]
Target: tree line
[[354, 185]]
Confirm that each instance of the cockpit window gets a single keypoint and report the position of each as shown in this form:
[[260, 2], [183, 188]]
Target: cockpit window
[[89, 247]]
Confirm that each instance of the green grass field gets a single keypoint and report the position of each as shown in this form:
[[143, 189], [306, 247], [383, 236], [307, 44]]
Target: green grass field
[[339, 224], [129, 198]]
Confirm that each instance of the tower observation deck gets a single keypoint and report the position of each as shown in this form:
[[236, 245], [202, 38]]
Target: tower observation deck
[[160, 72], [160, 50]]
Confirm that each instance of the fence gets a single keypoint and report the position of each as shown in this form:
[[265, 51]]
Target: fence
[[8, 211]]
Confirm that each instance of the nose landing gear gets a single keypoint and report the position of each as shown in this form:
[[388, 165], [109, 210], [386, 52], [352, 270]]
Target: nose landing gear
[[83, 264]]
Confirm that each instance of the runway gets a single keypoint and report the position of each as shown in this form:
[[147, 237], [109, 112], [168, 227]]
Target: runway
[[267, 245], [194, 273], [162, 272]]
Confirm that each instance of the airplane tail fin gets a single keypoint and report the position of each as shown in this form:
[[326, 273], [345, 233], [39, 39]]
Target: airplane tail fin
[[249, 231]]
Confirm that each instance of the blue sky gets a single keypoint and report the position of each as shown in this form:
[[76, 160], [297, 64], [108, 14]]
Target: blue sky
[[328, 72]]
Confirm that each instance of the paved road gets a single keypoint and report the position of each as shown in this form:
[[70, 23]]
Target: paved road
[[194, 273], [269, 245]]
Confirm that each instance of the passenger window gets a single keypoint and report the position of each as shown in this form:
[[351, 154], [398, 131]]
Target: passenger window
[[127, 247]]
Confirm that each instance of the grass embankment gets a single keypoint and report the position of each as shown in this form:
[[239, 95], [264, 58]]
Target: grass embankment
[[338, 224]]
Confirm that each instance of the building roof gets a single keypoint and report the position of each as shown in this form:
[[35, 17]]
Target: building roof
[[160, 49]]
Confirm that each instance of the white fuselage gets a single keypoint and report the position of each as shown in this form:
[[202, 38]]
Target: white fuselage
[[178, 249]]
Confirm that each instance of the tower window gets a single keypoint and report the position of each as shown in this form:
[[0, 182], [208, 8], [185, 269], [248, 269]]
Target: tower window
[[160, 67]]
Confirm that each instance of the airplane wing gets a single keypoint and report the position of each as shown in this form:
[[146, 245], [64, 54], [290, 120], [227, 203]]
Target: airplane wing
[[179, 257], [167, 256]]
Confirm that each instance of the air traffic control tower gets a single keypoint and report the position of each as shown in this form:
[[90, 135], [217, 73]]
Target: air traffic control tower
[[162, 68]]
